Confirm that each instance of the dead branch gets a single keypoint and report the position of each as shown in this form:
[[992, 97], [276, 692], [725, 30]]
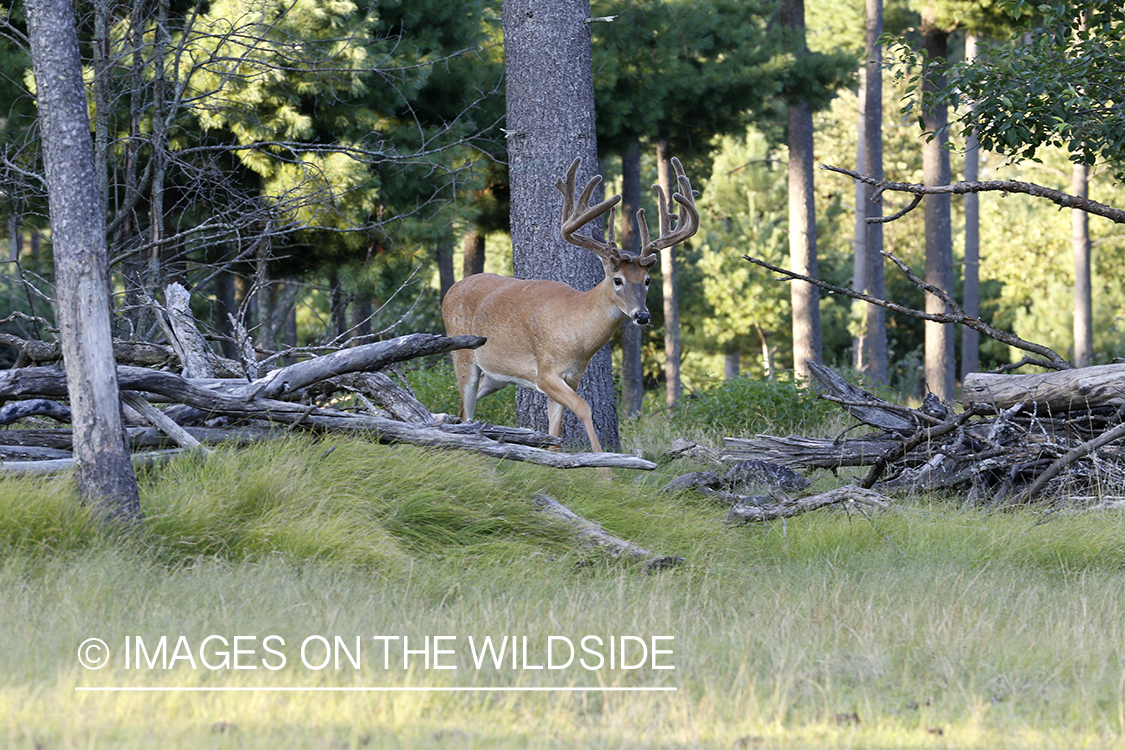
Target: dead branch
[[1057, 197], [1053, 360], [743, 513], [591, 534]]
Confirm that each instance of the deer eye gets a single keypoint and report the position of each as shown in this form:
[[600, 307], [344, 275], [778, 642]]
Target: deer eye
[[646, 282], [618, 282]]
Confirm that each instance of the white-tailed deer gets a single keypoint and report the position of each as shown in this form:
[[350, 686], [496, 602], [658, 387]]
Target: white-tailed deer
[[542, 334]]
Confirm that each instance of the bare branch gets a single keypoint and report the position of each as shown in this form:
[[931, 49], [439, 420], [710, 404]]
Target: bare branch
[[957, 315], [1057, 197]]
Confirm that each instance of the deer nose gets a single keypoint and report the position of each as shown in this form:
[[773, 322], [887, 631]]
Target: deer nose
[[641, 318]]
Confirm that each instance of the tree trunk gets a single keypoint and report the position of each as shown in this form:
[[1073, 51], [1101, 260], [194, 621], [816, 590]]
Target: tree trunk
[[550, 113], [104, 468], [444, 252], [673, 386], [802, 217], [1083, 295], [859, 243], [940, 352], [875, 319], [472, 250], [970, 339], [632, 373]]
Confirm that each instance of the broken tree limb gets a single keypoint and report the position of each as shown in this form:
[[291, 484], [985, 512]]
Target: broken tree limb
[[917, 439], [864, 406], [179, 326], [1057, 392], [57, 466], [741, 513], [1071, 456], [160, 421], [1057, 197], [367, 357], [591, 534], [36, 407], [1052, 360]]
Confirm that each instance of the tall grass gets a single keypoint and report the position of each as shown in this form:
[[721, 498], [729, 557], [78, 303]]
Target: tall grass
[[933, 625]]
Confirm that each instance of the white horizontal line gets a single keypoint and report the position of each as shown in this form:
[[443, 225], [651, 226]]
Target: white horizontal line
[[377, 689]]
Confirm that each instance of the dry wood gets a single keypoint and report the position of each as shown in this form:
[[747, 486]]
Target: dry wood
[[158, 420], [864, 406], [56, 466], [365, 358], [742, 513], [1049, 359], [174, 387], [194, 354], [591, 534], [1056, 392], [1057, 197], [36, 407]]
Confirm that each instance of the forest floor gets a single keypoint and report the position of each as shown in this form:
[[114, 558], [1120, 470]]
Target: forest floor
[[337, 594]]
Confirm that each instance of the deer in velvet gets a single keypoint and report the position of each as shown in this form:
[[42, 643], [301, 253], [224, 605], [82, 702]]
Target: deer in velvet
[[541, 334]]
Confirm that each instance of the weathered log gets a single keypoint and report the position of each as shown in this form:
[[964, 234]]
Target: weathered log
[[174, 387], [36, 407], [743, 513], [591, 534], [56, 466], [812, 453], [1055, 392], [383, 392], [32, 453], [195, 356], [864, 406], [365, 358], [158, 420]]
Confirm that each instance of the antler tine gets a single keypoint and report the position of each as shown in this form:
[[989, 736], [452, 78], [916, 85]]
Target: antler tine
[[686, 221], [577, 215]]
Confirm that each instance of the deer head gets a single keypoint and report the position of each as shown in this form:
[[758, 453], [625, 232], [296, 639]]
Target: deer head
[[627, 274]]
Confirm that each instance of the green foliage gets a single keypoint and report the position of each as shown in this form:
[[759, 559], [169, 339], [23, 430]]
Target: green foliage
[[1057, 83], [745, 406], [436, 387]]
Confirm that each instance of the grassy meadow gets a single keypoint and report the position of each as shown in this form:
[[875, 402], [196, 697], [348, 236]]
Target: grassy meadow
[[928, 626]]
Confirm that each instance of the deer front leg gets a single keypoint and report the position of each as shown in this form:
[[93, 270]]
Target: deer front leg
[[562, 395]]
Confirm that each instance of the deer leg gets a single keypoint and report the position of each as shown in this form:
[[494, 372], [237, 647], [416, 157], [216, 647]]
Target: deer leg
[[469, 393], [562, 395]]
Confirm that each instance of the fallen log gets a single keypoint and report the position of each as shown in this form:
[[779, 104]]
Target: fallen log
[[1052, 392], [60, 465], [591, 534], [744, 513]]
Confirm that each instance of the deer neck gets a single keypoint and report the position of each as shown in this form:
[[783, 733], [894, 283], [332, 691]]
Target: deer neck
[[599, 315]]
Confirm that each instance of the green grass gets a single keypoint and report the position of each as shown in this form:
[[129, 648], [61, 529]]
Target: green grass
[[938, 627]]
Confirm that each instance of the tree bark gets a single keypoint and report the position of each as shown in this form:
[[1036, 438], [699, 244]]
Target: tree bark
[[550, 114], [1083, 288], [940, 352], [802, 216], [875, 319], [632, 373], [444, 253], [673, 385], [970, 339], [104, 474], [472, 252]]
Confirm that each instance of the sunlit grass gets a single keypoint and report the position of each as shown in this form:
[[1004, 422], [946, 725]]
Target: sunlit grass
[[935, 626]]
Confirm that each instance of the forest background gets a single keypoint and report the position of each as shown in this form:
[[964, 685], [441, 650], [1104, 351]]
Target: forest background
[[318, 171]]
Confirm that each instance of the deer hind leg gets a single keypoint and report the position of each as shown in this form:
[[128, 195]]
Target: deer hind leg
[[469, 391], [561, 396]]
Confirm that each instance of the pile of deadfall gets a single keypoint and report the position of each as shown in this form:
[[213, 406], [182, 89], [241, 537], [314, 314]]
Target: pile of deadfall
[[209, 400], [1043, 438]]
